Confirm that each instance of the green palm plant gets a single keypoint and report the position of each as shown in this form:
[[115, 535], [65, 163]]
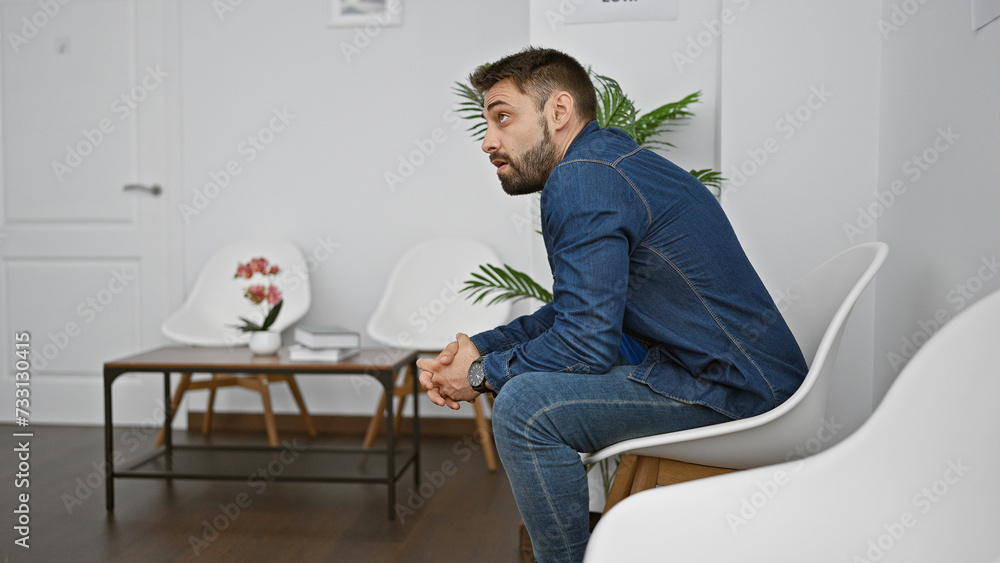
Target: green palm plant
[[614, 109], [505, 284]]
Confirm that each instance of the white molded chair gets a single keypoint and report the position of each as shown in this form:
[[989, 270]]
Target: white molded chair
[[421, 309], [919, 482], [819, 306], [215, 304], [216, 300]]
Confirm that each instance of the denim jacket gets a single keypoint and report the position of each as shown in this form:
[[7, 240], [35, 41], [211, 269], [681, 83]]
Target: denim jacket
[[640, 248]]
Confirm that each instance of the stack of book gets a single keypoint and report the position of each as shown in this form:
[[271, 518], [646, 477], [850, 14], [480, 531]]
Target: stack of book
[[323, 344]]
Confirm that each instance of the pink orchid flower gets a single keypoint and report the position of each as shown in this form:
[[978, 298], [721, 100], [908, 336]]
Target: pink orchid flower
[[259, 265], [256, 294], [273, 295]]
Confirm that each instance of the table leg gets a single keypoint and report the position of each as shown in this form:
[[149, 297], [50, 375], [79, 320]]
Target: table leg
[[168, 435], [388, 381], [109, 438]]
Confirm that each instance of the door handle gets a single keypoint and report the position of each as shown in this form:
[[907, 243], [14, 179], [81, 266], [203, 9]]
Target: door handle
[[155, 189]]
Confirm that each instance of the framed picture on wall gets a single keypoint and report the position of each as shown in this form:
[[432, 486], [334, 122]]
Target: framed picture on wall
[[353, 13]]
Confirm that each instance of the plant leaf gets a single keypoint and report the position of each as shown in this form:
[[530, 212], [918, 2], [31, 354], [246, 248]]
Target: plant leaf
[[614, 108], [471, 108], [662, 119], [504, 284], [272, 315], [710, 178], [247, 326]]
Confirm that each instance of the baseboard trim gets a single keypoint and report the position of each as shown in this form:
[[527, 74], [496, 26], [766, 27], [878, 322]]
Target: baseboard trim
[[329, 424]]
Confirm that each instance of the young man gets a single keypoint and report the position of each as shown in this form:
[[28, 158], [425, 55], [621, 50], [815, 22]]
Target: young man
[[658, 321]]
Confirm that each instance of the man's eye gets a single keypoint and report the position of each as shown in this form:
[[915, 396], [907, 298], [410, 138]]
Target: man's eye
[[503, 117]]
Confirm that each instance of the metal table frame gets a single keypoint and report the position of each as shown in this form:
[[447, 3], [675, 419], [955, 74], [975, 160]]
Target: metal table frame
[[159, 464]]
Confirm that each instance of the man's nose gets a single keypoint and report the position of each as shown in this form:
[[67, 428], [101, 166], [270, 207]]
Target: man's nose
[[490, 143]]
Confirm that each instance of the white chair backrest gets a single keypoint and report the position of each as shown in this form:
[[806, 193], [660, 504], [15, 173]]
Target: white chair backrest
[[421, 307], [821, 298], [917, 483], [819, 305], [216, 302], [829, 291]]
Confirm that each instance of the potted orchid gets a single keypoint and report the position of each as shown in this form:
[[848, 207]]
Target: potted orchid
[[267, 296]]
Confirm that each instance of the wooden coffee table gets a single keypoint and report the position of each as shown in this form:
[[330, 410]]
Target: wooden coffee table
[[289, 462]]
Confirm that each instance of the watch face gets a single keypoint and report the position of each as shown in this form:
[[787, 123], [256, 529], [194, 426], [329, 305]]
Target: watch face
[[476, 374]]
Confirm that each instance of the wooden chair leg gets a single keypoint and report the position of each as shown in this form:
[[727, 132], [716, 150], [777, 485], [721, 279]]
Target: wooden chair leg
[[265, 396], [621, 487], [206, 423], [294, 387], [634, 474], [182, 386], [485, 436], [646, 471]]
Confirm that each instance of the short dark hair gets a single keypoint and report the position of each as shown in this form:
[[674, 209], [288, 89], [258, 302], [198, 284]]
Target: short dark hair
[[540, 72]]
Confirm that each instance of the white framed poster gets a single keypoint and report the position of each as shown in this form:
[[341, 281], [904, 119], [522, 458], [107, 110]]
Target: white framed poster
[[352, 13]]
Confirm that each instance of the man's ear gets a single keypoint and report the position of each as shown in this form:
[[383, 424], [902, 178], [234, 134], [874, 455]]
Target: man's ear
[[561, 109]]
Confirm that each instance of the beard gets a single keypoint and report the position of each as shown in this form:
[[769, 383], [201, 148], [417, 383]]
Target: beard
[[528, 173]]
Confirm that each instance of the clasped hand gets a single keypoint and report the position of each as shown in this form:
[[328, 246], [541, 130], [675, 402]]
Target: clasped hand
[[446, 377]]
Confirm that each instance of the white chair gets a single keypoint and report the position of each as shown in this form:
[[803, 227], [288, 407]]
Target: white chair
[[818, 308], [215, 304], [918, 482], [421, 309]]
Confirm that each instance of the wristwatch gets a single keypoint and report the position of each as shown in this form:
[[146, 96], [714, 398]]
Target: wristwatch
[[477, 377]]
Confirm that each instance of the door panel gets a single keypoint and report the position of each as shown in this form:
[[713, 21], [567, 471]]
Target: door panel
[[88, 314], [67, 127], [83, 263]]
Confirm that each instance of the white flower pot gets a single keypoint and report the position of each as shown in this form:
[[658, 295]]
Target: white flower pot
[[265, 342]]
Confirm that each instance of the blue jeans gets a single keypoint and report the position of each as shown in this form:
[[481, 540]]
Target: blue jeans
[[540, 423]]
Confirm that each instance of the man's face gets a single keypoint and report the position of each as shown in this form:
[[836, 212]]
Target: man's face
[[517, 139]]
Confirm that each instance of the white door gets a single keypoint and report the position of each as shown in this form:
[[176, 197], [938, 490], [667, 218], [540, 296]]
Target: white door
[[85, 110]]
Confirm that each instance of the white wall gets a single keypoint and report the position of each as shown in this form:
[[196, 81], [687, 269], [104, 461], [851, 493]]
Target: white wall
[[642, 57], [937, 75], [650, 62], [321, 181], [322, 177], [837, 106], [799, 145], [904, 151], [793, 181]]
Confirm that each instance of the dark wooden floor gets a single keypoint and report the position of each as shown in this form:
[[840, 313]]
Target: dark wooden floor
[[470, 515]]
